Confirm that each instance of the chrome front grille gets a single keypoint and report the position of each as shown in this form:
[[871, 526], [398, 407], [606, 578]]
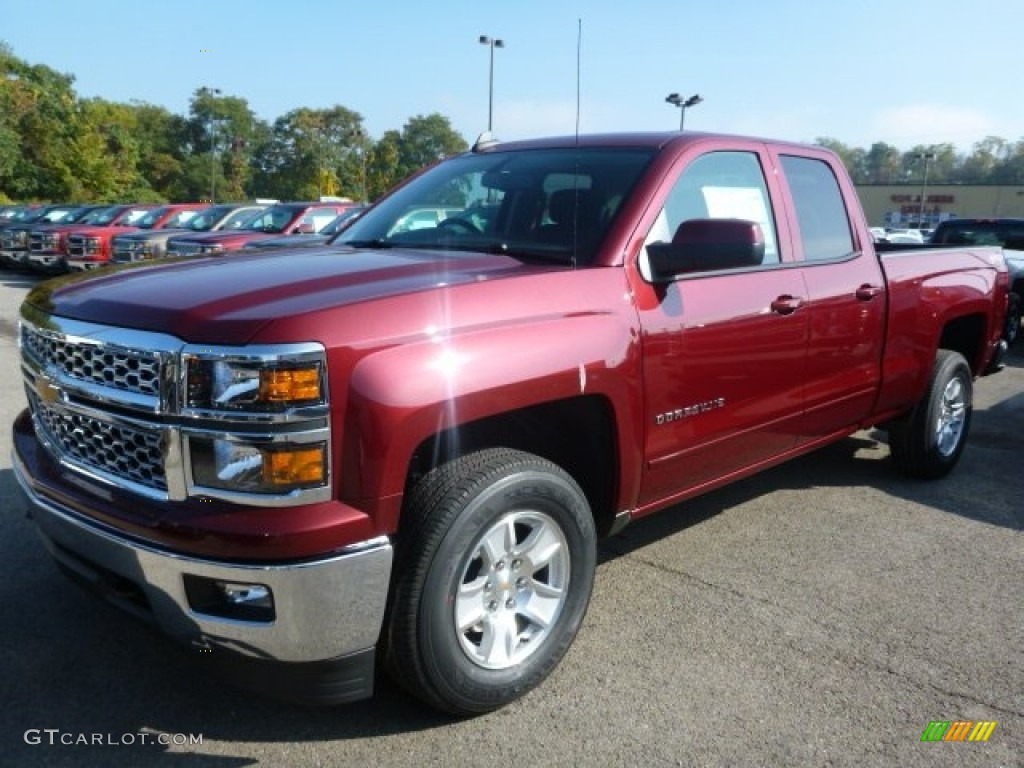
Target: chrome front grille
[[130, 370], [116, 449]]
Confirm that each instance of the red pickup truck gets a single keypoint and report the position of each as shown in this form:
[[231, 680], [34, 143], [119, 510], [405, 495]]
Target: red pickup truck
[[92, 247], [403, 447], [279, 219]]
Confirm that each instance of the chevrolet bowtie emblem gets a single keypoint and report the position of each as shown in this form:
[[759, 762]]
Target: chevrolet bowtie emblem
[[48, 391]]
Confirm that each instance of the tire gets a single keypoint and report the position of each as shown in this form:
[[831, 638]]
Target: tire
[[495, 567], [1011, 330], [928, 442]]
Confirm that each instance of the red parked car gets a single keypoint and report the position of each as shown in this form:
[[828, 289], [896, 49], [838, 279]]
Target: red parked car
[[279, 219], [91, 247]]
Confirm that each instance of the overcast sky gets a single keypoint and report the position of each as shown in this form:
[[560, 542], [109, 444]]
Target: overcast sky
[[907, 73]]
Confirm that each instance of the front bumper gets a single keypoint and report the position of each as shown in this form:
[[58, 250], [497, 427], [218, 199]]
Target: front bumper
[[318, 644]]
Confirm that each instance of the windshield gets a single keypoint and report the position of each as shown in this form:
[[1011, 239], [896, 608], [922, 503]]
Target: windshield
[[131, 217], [1006, 233], [60, 216], [101, 216], [147, 221], [273, 220], [179, 220], [204, 220], [550, 204], [343, 220]]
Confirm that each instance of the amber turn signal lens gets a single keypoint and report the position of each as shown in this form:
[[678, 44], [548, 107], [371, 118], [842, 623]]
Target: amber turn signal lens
[[295, 467], [290, 385]]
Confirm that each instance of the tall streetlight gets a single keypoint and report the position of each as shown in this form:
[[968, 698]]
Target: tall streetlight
[[678, 101], [927, 157], [492, 43], [213, 149], [360, 136]]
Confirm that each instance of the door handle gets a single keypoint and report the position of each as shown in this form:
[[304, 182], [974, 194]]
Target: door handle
[[867, 292], [786, 304]]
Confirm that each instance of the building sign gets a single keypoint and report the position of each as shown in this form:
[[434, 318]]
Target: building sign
[[917, 199]]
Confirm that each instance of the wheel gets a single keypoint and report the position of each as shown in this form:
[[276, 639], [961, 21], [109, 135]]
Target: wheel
[[495, 566], [458, 226], [1011, 330], [929, 441]]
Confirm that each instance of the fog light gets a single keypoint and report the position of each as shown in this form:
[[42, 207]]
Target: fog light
[[236, 600]]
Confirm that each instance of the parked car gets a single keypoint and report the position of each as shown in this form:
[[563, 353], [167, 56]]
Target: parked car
[[402, 448], [145, 245], [14, 239], [1005, 232], [47, 242], [323, 236], [279, 219], [90, 249], [20, 213]]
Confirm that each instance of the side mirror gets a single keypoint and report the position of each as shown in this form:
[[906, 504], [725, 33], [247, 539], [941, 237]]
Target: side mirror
[[707, 245]]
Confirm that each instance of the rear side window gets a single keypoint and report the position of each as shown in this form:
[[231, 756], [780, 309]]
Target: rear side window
[[820, 211]]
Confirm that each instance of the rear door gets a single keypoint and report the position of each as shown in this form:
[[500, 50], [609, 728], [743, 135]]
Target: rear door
[[846, 294]]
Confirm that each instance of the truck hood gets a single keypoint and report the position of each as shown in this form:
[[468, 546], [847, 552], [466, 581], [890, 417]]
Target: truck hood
[[227, 300], [220, 236], [102, 231], [151, 234]]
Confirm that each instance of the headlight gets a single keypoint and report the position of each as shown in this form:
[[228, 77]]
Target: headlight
[[240, 385], [247, 468], [260, 422], [215, 248]]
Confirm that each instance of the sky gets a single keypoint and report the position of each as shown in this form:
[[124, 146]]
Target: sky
[[906, 72]]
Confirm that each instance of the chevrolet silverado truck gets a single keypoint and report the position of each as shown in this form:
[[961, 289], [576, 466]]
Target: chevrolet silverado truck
[[14, 239], [47, 244], [150, 244], [92, 247], [89, 247], [280, 219], [398, 451]]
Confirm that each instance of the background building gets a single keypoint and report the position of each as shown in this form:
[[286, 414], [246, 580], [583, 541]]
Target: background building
[[899, 205]]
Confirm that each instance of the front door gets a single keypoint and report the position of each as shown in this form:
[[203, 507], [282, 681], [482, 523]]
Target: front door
[[724, 350]]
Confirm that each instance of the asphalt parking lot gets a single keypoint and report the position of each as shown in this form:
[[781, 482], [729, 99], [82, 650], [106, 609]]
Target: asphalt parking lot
[[822, 613]]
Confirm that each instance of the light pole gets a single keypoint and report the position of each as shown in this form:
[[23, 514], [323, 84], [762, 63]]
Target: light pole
[[926, 156], [213, 149], [676, 100], [360, 135], [492, 43]]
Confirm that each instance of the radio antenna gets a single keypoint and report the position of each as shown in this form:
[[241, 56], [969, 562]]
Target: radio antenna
[[576, 163], [579, 46]]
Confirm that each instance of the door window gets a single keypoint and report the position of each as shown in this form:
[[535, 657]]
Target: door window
[[718, 185], [820, 211]]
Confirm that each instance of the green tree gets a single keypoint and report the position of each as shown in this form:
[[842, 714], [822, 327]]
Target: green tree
[[425, 140], [37, 117], [221, 131], [312, 152]]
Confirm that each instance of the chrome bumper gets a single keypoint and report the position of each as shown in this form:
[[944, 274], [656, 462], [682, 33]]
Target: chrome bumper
[[322, 610]]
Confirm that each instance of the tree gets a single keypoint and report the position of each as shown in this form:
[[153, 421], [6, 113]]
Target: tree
[[311, 152], [37, 118], [425, 140], [221, 130], [854, 158]]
